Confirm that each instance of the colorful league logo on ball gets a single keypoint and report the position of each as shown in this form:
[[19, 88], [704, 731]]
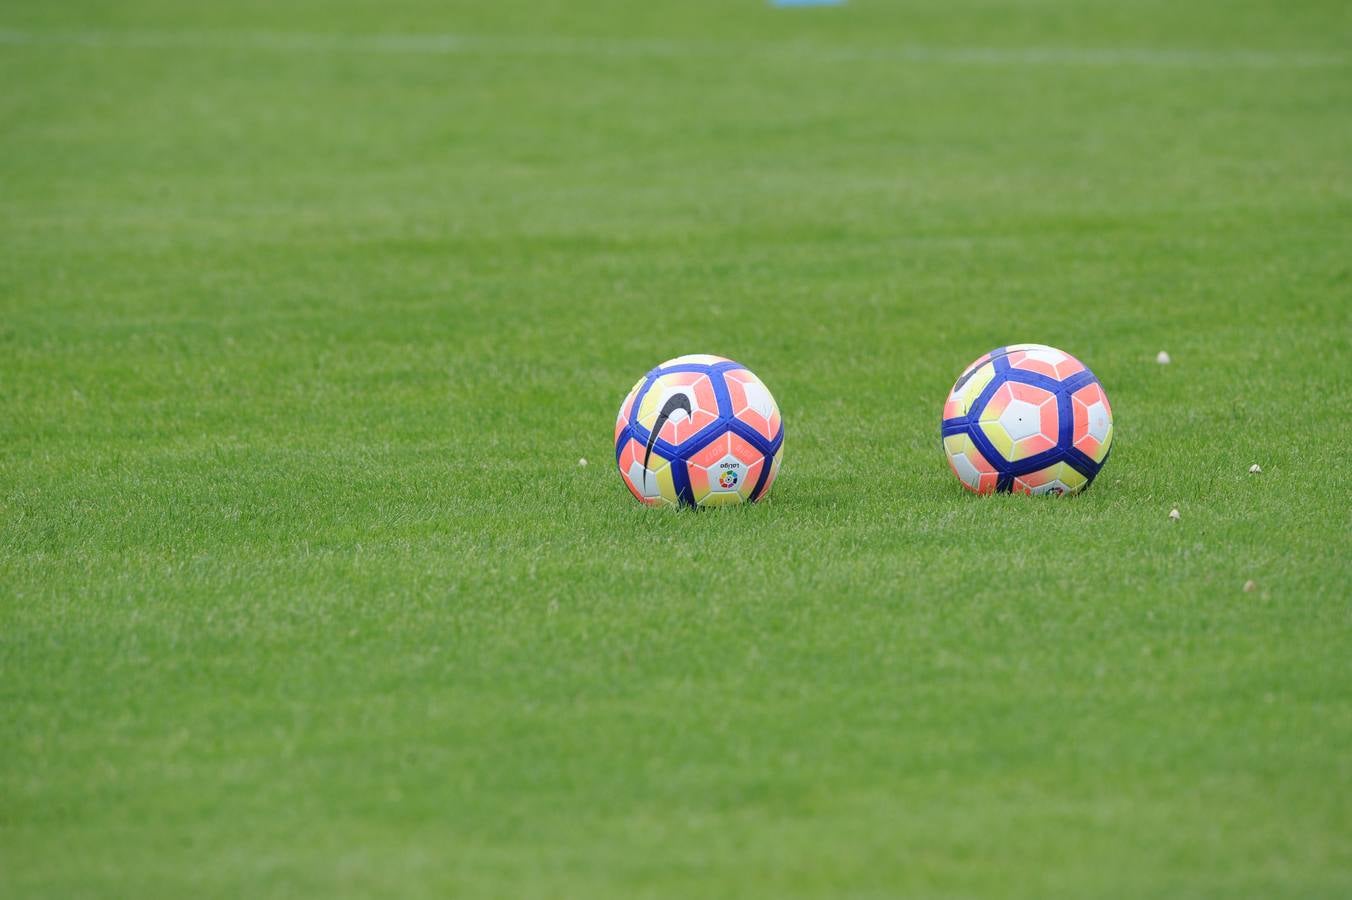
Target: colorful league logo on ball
[[1027, 418], [699, 431]]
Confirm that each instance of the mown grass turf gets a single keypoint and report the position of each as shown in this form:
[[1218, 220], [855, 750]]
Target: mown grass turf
[[308, 311]]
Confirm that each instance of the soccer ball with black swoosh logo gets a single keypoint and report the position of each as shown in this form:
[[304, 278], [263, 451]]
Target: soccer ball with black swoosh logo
[[699, 431]]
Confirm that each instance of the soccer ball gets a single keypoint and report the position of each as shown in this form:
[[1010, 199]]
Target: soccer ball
[[698, 431], [1027, 418]]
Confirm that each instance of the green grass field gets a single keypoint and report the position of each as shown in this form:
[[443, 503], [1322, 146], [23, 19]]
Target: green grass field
[[308, 311]]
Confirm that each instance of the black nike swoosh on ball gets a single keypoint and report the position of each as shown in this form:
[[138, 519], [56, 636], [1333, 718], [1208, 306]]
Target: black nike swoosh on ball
[[674, 402]]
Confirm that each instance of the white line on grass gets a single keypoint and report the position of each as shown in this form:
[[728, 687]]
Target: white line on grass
[[314, 42]]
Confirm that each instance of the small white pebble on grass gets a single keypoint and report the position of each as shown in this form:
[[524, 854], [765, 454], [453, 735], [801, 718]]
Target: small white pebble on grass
[[1163, 358], [1255, 469], [1250, 586], [1174, 514], [582, 462]]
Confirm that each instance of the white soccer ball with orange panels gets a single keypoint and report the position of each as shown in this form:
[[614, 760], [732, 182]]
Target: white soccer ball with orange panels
[[699, 431], [1027, 418]]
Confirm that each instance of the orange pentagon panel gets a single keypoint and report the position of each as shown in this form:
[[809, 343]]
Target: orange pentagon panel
[[654, 485], [681, 425], [1043, 360], [1093, 422], [622, 420], [1020, 420], [968, 388], [1059, 478], [974, 471], [725, 472], [752, 402]]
